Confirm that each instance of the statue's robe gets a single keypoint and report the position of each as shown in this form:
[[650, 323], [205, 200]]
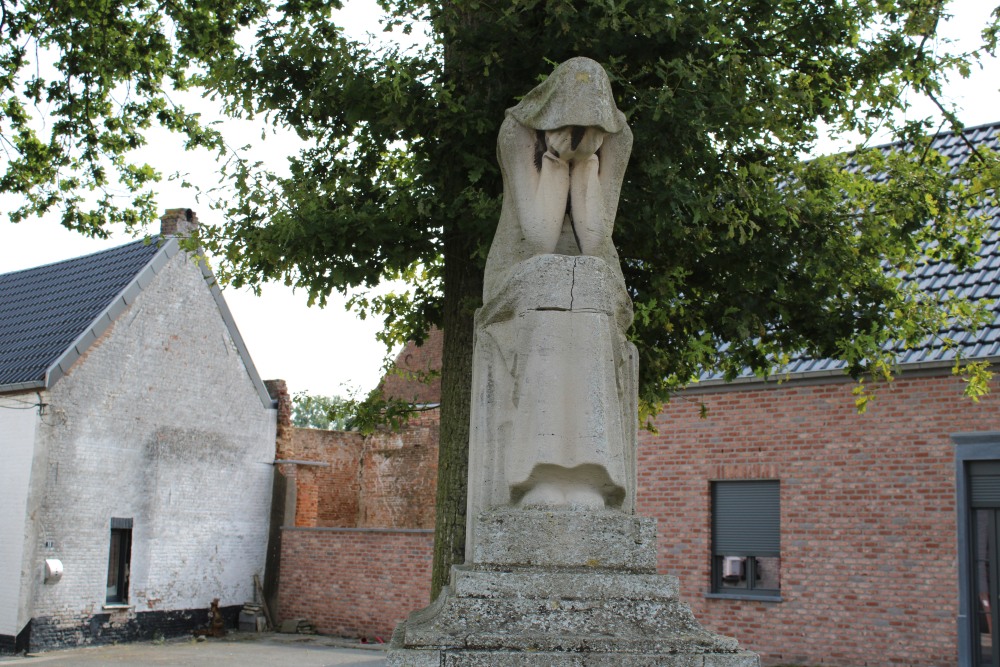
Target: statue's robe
[[554, 377]]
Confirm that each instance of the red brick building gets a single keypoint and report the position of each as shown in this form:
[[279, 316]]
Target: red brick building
[[869, 522], [813, 534]]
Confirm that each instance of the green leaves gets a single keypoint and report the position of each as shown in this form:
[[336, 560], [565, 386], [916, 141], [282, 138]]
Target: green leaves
[[82, 81], [322, 412], [737, 253]]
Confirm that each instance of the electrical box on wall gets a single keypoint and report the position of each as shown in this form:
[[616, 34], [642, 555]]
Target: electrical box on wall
[[53, 570]]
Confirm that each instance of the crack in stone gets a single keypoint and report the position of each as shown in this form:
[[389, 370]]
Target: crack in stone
[[572, 285]]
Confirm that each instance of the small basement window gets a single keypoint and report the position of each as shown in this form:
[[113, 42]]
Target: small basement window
[[119, 558]]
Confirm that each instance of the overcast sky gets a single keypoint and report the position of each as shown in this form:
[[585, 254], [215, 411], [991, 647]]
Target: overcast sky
[[330, 351]]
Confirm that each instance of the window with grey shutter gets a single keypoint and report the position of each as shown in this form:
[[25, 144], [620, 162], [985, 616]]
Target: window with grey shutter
[[746, 536], [984, 484]]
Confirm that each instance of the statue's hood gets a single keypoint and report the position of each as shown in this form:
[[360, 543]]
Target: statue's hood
[[578, 92]]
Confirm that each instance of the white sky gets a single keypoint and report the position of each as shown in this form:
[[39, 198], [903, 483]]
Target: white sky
[[331, 351]]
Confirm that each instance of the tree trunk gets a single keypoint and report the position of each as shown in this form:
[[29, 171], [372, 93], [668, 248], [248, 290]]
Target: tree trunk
[[463, 289]]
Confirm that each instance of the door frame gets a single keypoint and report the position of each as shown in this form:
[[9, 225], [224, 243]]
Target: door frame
[[984, 446]]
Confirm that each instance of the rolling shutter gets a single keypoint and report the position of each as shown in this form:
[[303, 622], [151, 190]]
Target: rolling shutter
[[984, 483], [746, 518]]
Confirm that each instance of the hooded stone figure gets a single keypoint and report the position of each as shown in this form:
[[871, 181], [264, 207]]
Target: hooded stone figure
[[554, 415], [558, 201]]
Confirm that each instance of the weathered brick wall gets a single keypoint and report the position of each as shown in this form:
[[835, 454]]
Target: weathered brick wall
[[159, 422], [399, 476], [385, 480], [283, 439], [328, 494], [868, 535], [416, 376], [353, 562], [354, 582]]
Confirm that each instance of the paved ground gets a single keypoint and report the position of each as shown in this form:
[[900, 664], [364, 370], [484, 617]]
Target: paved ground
[[234, 650]]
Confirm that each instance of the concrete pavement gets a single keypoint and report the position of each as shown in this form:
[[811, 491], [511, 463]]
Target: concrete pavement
[[234, 650]]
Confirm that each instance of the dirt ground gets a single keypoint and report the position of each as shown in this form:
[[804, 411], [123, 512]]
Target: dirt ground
[[234, 650]]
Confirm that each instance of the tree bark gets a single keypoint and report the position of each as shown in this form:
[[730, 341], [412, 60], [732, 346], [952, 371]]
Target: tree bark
[[463, 288]]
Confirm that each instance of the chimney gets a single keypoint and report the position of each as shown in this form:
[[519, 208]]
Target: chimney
[[178, 222]]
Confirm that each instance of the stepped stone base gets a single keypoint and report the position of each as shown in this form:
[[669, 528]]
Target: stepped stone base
[[561, 589]]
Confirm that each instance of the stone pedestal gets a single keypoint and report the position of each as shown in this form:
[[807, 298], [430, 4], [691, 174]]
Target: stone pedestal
[[561, 588]]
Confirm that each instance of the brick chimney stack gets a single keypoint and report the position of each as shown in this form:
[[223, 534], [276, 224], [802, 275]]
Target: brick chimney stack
[[278, 390], [178, 222]]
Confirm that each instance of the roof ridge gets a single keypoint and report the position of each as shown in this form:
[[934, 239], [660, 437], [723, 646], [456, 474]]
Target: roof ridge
[[966, 129]]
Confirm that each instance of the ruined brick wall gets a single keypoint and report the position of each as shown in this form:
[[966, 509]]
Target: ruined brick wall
[[868, 533], [416, 374], [357, 559], [385, 480], [327, 494], [283, 439], [399, 476], [355, 582]]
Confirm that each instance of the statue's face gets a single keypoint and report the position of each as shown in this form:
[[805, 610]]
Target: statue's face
[[574, 142]]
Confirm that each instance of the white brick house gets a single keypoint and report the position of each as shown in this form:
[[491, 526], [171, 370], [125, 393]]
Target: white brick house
[[137, 443]]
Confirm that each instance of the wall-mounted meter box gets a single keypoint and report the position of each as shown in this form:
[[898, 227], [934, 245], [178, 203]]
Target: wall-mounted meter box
[[53, 570]]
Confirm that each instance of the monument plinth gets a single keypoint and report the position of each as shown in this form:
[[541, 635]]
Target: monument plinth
[[559, 571]]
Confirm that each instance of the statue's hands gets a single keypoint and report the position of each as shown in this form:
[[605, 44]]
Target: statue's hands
[[573, 144], [592, 139], [559, 143]]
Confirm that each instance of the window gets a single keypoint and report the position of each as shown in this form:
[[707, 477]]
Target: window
[[746, 538], [118, 560]]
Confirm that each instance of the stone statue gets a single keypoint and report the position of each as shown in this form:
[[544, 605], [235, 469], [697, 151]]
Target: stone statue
[[563, 152], [554, 383], [558, 569]]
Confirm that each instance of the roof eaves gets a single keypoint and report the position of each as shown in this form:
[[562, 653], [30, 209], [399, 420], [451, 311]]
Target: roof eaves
[[773, 381], [14, 387]]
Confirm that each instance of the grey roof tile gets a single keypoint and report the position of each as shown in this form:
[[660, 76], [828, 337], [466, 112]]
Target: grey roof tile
[[44, 310]]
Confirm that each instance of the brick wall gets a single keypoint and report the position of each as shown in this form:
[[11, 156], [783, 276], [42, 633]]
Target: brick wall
[[416, 373], [328, 494], [385, 480], [354, 582], [399, 476], [357, 558], [868, 535]]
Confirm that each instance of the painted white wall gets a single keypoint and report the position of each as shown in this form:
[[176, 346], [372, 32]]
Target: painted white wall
[[158, 422], [18, 423]]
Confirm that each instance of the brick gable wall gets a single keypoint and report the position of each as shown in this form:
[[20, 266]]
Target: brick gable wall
[[416, 374], [161, 423]]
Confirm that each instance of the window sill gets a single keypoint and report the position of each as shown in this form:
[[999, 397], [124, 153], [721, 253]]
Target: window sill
[[116, 606], [749, 597]]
